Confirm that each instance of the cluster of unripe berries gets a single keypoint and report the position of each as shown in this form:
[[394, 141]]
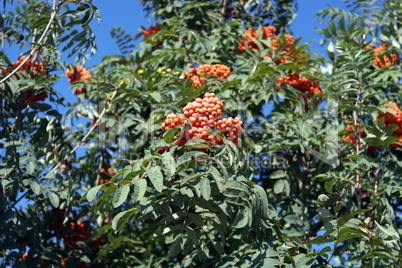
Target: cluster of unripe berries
[[394, 118], [387, 61], [201, 115], [304, 84], [76, 74], [251, 35], [196, 75]]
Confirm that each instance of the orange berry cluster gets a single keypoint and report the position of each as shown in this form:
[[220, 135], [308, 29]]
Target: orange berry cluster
[[394, 118], [109, 173], [304, 84], [35, 67], [202, 114], [150, 31], [268, 32], [173, 120], [196, 75], [387, 61], [76, 74], [350, 137]]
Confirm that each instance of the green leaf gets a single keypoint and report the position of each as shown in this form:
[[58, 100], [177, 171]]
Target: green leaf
[[120, 195], [277, 174], [262, 196], [35, 187], [279, 186], [121, 219], [328, 185], [156, 177], [156, 96], [190, 177], [345, 218], [205, 188], [175, 230], [303, 261], [237, 185], [175, 248], [319, 240], [388, 230], [91, 194], [140, 188], [241, 220], [220, 181], [378, 254], [54, 199], [169, 162], [192, 235], [190, 156], [350, 233], [169, 135]]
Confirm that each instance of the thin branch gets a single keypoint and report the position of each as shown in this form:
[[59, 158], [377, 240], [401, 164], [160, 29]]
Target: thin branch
[[19, 199], [357, 124], [2, 26], [109, 101], [99, 168]]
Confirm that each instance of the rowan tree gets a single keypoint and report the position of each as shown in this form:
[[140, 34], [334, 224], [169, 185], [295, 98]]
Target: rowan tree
[[217, 138]]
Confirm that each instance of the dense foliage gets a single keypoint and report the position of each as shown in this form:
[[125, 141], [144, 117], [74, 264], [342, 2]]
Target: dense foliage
[[221, 140]]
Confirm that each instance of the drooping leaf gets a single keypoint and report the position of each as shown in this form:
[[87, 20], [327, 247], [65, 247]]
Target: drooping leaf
[[205, 188], [120, 195], [156, 177], [140, 188]]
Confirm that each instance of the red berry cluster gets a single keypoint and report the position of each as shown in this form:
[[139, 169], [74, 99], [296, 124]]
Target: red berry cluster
[[202, 114], [75, 234], [394, 118], [387, 61], [268, 32], [150, 31], [38, 97], [76, 74], [304, 84], [196, 75]]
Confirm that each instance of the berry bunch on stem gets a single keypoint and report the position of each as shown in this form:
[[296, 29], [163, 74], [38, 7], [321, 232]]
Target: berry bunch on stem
[[251, 35], [304, 84], [77, 74], [381, 59], [201, 115], [394, 117], [196, 75]]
